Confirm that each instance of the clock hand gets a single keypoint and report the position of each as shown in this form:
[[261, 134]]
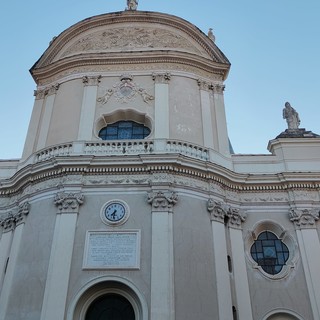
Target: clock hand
[[113, 214]]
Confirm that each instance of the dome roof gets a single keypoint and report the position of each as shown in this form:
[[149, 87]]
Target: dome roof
[[129, 38]]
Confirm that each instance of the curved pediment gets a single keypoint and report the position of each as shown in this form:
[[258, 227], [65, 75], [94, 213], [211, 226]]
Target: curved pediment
[[120, 34], [119, 39]]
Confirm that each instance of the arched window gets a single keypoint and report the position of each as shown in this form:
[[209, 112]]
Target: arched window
[[269, 252], [112, 307], [124, 130]]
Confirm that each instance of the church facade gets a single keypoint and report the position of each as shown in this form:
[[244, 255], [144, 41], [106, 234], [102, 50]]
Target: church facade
[[128, 201]]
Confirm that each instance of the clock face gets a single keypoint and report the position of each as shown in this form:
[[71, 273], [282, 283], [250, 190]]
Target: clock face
[[115, 211]]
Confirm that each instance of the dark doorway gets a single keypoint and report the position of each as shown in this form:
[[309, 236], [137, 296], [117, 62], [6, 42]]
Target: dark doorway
[[110, 307]]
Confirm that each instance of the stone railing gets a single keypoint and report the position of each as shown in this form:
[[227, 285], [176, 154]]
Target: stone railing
[[54, 151], [123, 147]]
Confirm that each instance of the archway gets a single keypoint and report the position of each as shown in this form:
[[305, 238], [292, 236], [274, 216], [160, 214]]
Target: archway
[[108, 297], [112, 307]]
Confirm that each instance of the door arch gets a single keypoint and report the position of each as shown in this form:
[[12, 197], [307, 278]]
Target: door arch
[[101, 292], [110, 306]]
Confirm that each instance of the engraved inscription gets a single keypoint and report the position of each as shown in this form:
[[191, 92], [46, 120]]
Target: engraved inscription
[[112, 250]]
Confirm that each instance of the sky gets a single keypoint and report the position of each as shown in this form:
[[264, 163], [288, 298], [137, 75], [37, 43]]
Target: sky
[[273, 47]]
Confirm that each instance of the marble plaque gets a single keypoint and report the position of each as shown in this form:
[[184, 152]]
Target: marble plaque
[[112, 250]]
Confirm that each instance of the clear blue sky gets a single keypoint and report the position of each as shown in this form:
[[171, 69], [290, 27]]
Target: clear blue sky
[[273, 46]]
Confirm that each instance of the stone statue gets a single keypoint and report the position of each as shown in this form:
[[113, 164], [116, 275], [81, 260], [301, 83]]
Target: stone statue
[[291, 116], [132, 4], [211, 35]]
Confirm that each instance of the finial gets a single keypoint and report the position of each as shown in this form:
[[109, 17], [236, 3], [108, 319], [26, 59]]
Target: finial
[[211, 35], [132, 5]]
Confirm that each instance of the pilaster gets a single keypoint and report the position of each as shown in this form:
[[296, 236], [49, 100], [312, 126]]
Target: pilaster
[[10, 245], [56, 288], [88, 107], [309, 244], [235, 219], [162, 117], [49, 98], [220, 121], [207, 125], [162, 260], [218, 211]]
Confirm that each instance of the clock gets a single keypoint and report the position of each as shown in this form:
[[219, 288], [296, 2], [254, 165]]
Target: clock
[[115, 212]]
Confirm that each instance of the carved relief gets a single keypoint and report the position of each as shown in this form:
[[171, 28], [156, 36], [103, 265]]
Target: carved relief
[[264, 197], [161, 201], [130, 39], [304, 218], [125, 91], [68, 202]]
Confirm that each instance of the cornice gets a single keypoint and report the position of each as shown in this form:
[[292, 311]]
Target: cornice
[[173, 164], [99, 62]]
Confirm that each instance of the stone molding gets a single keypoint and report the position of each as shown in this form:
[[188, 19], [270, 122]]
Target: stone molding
[[305, 218], [14, 218], [68, 202], [219, 211], [162, 201], [91, 81], [161, 77]]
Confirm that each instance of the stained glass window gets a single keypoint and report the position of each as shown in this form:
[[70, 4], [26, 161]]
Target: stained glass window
[[270, 253], [124, 130]]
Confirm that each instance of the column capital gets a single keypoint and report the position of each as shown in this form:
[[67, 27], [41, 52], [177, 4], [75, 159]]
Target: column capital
[[218, 88], [161, 77], [68, 202], [305, 218], [162, 201], [40, 93], [7, 222], [53, 89], [204, 85], [91, 81], [14, 218], [217, 209], [236, 217], [21, 214]]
